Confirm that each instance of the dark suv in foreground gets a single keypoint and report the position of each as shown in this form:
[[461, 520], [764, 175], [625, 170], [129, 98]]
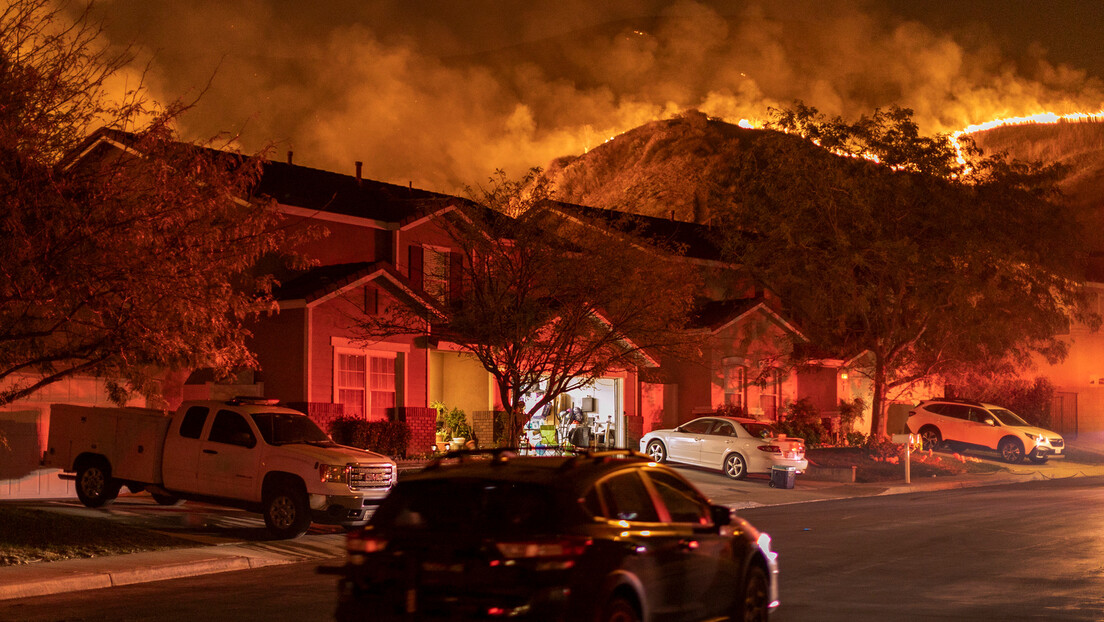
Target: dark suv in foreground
[[603, 536]]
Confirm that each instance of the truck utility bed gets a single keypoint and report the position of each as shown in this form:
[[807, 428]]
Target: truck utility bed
[[132, 439]]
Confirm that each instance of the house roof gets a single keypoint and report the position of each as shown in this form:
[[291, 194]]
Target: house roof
[[694, 240], [322, 283], [301, 186], [716, 315]]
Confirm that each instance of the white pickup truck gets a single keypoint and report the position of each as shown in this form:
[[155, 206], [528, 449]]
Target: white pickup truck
[[245, 452]]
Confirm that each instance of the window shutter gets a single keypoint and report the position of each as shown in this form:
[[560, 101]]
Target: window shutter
[[416, 266], [456, 276]]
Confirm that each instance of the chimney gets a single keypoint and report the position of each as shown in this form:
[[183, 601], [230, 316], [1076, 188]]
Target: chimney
[[289, 155], [359, 166]]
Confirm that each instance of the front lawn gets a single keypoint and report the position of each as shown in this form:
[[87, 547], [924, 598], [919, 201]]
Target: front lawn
[[873, 469], [28, 536]]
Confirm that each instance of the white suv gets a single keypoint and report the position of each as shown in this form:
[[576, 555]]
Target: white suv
[[982, 426]]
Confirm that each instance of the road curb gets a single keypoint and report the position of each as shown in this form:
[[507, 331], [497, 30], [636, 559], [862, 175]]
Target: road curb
[[79, 581]]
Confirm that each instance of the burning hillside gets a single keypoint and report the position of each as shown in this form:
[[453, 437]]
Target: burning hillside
[[678, 167]]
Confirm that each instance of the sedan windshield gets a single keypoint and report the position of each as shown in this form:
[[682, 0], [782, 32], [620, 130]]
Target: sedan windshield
[[1007, 417], [284, 428], [760, 430]]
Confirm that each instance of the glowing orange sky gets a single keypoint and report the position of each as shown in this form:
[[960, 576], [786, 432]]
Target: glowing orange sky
[[441, 93]]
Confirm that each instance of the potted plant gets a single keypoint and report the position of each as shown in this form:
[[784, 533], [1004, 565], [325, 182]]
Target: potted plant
[[452, 425]]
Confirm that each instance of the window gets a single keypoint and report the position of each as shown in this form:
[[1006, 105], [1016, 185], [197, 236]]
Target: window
[[697, 426], [365, 384], [192, 424], [770, 393], [435, 272], [230, 428], [723, 428], [735, 386], [683, 504], [627, 499]]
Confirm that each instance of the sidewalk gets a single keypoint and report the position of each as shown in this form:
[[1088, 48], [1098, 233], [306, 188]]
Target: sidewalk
[[85, 574]]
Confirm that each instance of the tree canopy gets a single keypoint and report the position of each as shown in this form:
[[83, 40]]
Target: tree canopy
[[548, 301], [886, 242], [125, 261]]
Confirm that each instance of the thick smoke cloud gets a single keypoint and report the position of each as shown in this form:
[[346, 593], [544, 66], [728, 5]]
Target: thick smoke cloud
[[441, 93]]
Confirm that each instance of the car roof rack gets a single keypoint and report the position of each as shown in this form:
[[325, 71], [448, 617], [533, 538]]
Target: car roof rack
[[497, 455]]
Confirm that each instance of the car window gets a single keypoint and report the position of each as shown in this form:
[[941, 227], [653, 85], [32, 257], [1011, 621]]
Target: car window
[[627, 499], [469, 505], [936, 408], [283, 428], [958, 411], [230, 428], [697, 426], [1007, 417], [683, 503], [980, 415], [192, 423], [723, 428], [760, 430]]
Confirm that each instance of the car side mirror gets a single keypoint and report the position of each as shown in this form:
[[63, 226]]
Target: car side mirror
[[989, 421], [721, 515]]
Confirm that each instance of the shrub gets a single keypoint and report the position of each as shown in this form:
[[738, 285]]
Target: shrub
[[731, 410], [801, 419], [390, 438], [452, 421], [883, 450]]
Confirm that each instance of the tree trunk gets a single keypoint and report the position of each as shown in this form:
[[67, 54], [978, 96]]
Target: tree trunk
[[878, 407]]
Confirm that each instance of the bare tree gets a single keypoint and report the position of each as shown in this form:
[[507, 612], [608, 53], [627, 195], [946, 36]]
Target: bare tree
[[548, 301]]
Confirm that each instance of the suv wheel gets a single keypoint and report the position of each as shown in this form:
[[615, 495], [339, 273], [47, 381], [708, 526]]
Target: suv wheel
[[930, 437], [1011, 450], [619, 610]]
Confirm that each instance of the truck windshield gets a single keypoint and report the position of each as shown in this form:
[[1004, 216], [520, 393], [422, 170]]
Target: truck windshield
[[284, 428]]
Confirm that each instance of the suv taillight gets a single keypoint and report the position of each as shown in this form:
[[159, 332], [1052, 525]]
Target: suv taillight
[[557, 547], [911, 413], [360, 541]]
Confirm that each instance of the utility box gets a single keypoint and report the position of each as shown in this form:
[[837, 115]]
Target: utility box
[[130, 438]]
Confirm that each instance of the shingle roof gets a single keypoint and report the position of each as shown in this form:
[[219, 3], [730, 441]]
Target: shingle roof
[[301, 186], [694, 240]]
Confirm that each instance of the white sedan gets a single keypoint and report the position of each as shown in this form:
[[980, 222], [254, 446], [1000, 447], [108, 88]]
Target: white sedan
[[737, 446]]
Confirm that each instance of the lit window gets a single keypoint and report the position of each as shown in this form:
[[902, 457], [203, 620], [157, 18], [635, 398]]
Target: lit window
[[365, 384], [735, 385]]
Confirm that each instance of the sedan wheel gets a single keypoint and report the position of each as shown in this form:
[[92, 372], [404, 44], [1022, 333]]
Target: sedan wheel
[[735, 466], [657, 451], [1011, 451]]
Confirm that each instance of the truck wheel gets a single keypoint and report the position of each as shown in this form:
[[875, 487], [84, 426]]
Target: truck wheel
[[286, 511], [95, 487]]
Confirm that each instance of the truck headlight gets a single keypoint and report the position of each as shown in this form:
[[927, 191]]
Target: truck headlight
[[332, 473]]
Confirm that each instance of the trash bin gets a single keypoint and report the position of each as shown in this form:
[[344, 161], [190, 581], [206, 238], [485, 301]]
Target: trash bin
[[783, 476]]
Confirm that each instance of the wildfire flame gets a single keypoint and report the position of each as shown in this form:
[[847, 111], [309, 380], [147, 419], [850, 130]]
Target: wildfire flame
[[1041, 118]]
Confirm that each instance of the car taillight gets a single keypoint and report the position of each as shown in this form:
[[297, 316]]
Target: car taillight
[[527, 549], [911, 413], [359, 541], [770, 449]]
